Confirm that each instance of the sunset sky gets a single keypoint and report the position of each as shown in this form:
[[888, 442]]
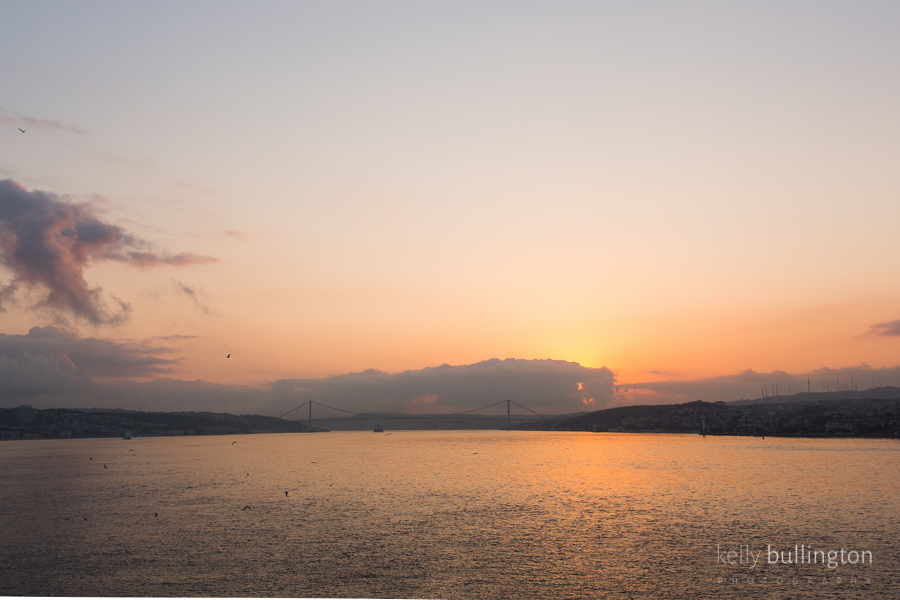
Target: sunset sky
[[703, 194]]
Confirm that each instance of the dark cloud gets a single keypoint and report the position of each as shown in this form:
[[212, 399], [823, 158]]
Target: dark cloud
[[49, 360], [174, 395], [549, 386], [544, 386], [49, 367], [888, 329], [48, 243]]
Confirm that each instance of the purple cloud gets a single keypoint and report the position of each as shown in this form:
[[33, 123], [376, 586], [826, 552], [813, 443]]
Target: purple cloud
[[48, 243], [549, 386], [889, 328], [52, 360]]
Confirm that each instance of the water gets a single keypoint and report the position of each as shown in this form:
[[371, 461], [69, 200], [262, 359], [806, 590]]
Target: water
[[463, 514]]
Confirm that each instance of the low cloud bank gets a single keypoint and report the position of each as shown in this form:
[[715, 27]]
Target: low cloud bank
[[545, 386], [749, 384], [49, 364], [52, 368]]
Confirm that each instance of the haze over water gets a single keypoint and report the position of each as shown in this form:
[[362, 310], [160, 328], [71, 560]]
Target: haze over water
[[463, 514]]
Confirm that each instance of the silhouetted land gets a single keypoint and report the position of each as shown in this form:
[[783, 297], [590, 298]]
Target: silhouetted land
[[834, 414], [26, 423], [871, 413]]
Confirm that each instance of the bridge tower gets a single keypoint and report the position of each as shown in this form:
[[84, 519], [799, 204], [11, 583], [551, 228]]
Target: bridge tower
[[508, 421]]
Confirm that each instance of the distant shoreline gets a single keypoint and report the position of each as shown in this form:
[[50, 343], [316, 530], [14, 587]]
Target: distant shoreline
[[801, 417]]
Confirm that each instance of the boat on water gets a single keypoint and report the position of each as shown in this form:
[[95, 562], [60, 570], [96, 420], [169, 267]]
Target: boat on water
[[127, 435], [379, 429]]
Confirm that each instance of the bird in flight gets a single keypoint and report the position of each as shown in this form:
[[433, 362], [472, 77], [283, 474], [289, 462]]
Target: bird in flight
[[22, 130], [229, 356], [233, 443]]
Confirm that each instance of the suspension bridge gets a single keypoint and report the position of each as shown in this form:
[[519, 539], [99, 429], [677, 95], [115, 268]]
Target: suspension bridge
[[492, 416]]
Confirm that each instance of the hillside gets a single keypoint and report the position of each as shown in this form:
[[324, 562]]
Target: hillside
[[838, 416]]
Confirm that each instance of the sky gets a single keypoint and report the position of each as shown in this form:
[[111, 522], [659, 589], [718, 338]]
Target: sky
[[427, 205]]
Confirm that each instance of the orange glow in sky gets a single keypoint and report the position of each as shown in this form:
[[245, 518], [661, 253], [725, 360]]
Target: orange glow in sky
[[673, 193]]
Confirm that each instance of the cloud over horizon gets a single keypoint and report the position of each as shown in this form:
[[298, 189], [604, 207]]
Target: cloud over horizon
[[56, 369], [48, 243], [50, 360], [50, 367], [750, 384], [552, 386]]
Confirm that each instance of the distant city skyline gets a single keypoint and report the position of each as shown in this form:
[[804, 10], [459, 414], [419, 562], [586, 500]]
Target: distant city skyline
[[603, 203]]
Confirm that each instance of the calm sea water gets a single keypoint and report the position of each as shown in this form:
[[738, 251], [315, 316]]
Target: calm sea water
[[467, 514]]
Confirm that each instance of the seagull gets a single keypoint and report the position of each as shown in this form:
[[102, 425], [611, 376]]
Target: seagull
[[155, 514], [229, 356], [105, 467], [292, 490], [247, 508], [22, 130], [233, 443]]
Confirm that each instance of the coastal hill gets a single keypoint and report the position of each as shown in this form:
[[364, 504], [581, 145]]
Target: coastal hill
[[26, 422], [873, 413]]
